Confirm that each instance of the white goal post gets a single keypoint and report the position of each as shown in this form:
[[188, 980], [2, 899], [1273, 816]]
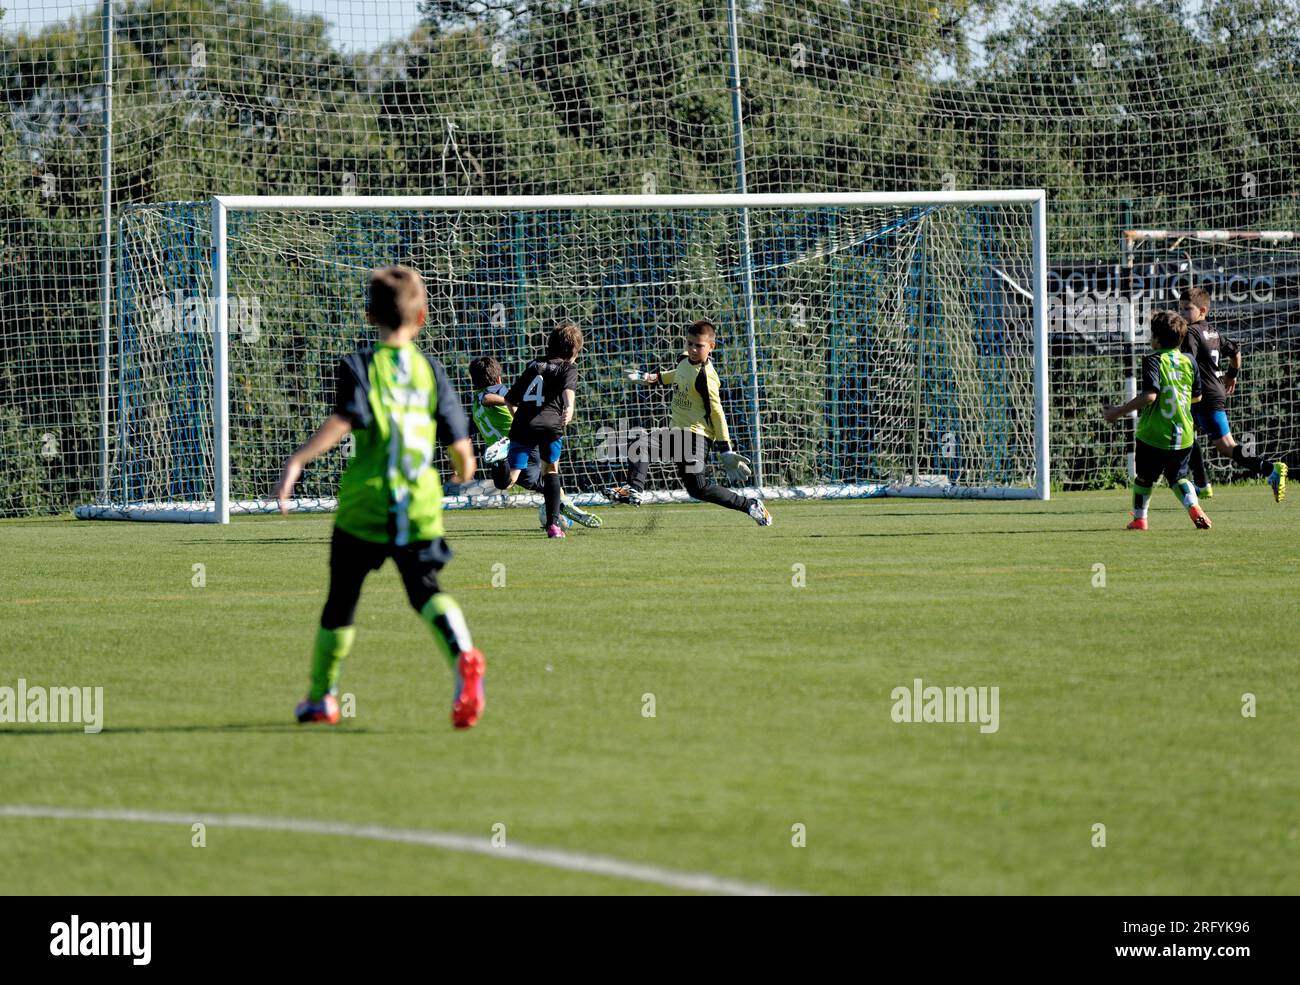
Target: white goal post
[[872, 343]]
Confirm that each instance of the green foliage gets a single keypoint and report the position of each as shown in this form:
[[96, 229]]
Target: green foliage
[[1185, 113]]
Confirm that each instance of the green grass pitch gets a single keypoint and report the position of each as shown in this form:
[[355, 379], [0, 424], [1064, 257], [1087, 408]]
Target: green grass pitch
[[1119, 704]]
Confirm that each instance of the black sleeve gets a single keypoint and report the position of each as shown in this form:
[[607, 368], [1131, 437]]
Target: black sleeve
[[450, 415], [516, 393], [571, 377], [1228, 348], [1151, 373], [352, 390], [1196, 383]]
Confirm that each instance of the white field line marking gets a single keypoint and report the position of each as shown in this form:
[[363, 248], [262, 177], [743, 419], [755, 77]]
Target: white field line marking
[[601, 865]]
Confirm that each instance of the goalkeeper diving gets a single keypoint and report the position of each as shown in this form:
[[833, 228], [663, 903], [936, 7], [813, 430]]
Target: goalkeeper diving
[[700, 422]]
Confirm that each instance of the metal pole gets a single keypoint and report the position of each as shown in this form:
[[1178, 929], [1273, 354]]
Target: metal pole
[[106, 248], [1128, 356], [746, 256], [1042, 431], [220, 384], [919, 349]]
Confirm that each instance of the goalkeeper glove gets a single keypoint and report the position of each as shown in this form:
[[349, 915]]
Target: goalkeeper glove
[[642, 376], [737, 467]]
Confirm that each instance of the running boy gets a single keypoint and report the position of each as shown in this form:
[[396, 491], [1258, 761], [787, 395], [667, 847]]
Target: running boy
[[1170, 385], [698, 416], [398, 404], [1211, 351], [493, 418], [544, 397]]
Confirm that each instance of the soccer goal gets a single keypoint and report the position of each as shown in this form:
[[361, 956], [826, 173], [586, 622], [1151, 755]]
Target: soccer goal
[[869, 344], [1253, 279]]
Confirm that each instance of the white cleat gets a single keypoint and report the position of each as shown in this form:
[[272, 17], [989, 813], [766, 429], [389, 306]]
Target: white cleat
[[569, 511], [541, 518], [759, 514]]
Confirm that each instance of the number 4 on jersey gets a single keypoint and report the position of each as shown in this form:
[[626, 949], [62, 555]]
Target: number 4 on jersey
[[534, 393]]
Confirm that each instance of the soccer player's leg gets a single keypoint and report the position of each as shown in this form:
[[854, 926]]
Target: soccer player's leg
[[691, 472], [501, 475], [419, 565], [1274, 472], [1199, 475], [531, 477], [638, 469], [1177, 466], [351, 559], [552, 492], [1147, 466], [516, 463]]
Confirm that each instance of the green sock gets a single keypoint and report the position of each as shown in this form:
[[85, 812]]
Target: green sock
[[448, 624], [1141, 496], [332, 645]]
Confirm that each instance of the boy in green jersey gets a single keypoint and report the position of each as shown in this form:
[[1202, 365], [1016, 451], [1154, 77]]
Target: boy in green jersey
[[1165, 430], [398, 405]]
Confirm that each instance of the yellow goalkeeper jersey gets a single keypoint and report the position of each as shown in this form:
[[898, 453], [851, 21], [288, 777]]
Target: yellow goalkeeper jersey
[[697, 404]]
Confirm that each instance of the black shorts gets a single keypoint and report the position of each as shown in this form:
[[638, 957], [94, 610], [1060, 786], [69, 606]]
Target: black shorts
[[352, 558], [1150, 463]]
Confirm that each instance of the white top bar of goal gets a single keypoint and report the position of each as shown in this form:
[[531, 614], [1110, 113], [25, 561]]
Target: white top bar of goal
[[523, 203], [1214, 235]]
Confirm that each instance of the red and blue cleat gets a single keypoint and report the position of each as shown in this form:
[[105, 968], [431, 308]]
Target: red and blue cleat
[[325, 710]]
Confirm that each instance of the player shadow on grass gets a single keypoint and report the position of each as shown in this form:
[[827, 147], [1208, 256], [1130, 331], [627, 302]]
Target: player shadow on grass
[[962, 533], [284, 541], [260, 727]]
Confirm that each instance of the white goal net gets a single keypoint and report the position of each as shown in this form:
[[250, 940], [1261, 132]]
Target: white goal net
[[868, 343]]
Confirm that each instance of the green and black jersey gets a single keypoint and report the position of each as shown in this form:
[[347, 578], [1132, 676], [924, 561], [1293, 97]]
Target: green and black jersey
[[1166, 423], [493, 422], [400, 405]]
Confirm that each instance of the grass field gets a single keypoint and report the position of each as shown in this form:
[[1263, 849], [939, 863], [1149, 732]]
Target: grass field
[[1119, 705]]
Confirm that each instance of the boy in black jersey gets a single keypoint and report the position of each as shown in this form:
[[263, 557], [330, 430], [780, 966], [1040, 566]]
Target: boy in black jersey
[[543, 398], [1213, 354]]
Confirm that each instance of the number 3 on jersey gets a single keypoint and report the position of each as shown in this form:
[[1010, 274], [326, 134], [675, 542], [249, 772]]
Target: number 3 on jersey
[[534, 393], [1170, 402]]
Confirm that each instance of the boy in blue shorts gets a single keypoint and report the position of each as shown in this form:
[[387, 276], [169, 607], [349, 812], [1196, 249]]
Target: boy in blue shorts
[[493, 418], [1218, 360], [543, 398]]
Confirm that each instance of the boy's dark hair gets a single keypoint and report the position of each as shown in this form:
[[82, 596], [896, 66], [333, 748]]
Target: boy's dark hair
[[565, 340], [484, 372], [1199, 296], [1169, 328], [703, 329], [396, 296]]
